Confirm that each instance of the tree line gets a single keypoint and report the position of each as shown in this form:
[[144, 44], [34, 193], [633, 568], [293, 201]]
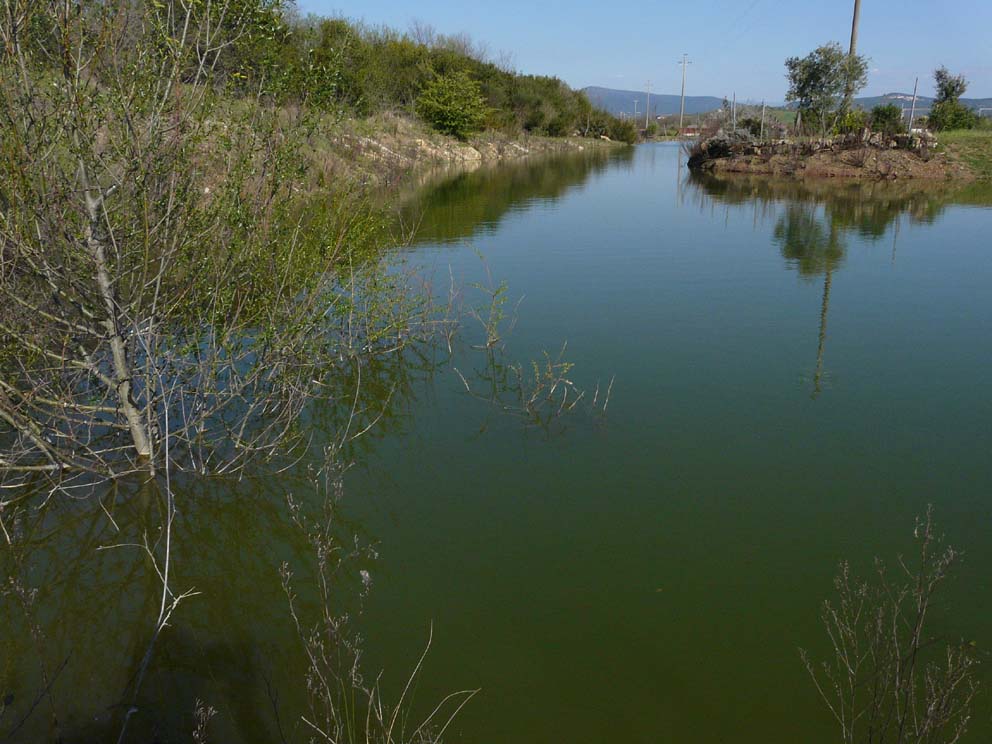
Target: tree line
[[448, 80]]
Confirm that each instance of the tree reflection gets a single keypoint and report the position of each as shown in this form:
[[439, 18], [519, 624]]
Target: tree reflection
[[810, 245], [79, 585], [813, 247], [865, 208], [813, 218], [80, 588], [456, 207]]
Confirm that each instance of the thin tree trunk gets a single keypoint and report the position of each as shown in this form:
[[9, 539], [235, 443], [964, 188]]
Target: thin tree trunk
[[122, 373]]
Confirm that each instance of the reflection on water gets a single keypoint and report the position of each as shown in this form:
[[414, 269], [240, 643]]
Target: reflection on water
[[813, 248], [648, 579], [868, 208], [818, 213], [81, 587], [457, 207]]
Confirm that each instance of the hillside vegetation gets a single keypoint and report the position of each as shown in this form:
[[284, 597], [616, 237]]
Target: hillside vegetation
[[360, 70]]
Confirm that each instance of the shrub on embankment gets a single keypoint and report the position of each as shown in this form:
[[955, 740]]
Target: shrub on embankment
[[362, 71]]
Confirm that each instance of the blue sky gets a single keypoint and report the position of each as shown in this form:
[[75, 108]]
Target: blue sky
[[734, 46]]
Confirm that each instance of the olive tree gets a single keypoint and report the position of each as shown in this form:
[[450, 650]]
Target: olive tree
[[819, 82], [168, 299]]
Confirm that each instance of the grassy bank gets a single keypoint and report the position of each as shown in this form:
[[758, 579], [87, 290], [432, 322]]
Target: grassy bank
[[970, 147]]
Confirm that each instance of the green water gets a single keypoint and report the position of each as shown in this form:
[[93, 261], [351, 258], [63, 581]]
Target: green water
[[799, 370]]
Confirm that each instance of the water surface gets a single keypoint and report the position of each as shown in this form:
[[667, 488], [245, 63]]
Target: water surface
[[799, 370]]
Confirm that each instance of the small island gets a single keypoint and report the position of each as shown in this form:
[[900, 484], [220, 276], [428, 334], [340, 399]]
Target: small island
[[829, 137]]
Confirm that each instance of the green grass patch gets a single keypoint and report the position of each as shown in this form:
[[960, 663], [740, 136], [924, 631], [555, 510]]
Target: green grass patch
[[973, 147], [784, 116]]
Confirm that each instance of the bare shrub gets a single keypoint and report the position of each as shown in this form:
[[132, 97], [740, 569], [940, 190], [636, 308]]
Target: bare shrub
[[858, 157], [343, 706], [539, 393], [889, 679], [170, 299]]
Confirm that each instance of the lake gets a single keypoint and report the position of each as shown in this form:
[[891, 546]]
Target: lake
[[797, 371]]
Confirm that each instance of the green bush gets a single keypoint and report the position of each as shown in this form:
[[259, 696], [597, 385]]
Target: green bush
[[852, 122], [453, 105], [887, 119], [623, 131], [952, 114]]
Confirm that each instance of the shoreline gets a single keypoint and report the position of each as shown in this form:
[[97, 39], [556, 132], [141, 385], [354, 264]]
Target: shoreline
[[384, 151]]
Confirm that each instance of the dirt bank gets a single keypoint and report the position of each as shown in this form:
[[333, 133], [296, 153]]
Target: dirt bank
[[382, 150], [868, 163], [833, 158]]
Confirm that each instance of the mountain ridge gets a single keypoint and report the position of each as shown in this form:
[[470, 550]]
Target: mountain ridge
[[617, 101]]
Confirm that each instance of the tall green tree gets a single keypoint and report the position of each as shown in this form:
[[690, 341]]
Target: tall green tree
[[818, 83], [947, 111], [949, 87]]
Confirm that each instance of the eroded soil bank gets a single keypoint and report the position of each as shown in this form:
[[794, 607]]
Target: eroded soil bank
[[382, 150], [870, 163], [833, 159]]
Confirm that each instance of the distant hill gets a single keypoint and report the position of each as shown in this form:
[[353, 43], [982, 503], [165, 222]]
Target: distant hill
[[616, 101], [923, 103]]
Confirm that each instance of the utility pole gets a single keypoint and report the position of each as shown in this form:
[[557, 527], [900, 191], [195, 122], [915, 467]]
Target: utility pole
[[733, 113], [854, 28], [849, 94], [685, 61], [762, 135], [647, 109], [912, 110]]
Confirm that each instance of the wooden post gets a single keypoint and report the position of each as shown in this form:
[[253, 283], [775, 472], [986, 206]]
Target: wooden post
[[682, 107], [912, 110]]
